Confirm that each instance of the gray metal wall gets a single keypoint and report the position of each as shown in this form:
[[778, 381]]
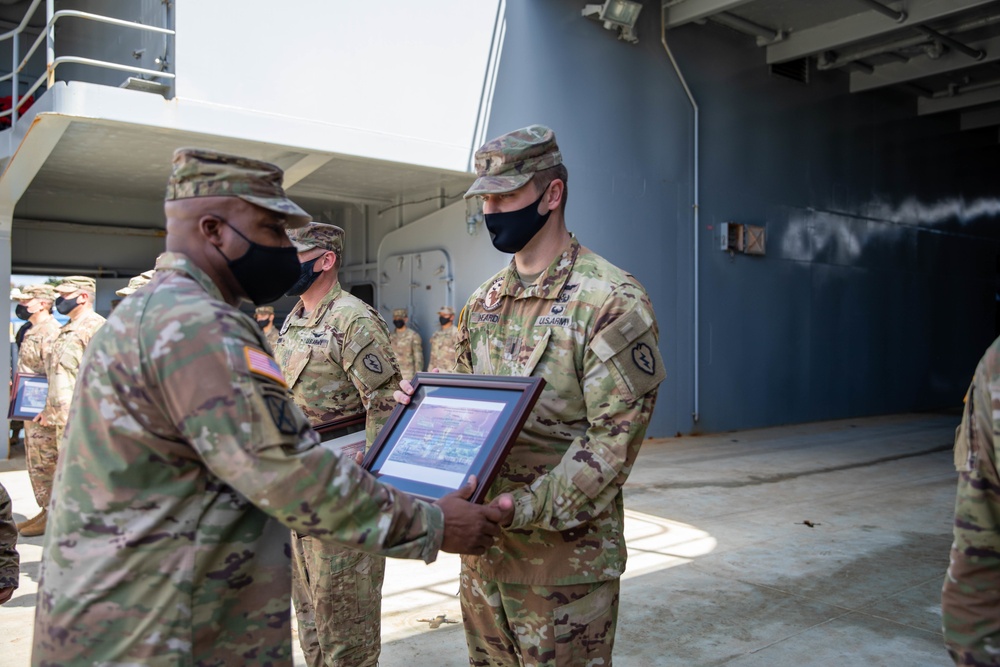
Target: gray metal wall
[[877, 291]]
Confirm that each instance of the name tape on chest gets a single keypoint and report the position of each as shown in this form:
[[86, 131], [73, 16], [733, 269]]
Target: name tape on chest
[[261, 363]]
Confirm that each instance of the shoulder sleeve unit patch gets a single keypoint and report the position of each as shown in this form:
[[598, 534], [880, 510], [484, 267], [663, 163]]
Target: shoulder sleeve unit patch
[[629, 350], [260, 362]]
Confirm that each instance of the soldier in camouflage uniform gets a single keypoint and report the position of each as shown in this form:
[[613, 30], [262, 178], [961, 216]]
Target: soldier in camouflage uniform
[[547, 592], [444, 342], [185, 461], [76, 299], [135, 282], [335, 354], [971, 594], [406, 345], [9, 559], [35, 304], [264, 315]]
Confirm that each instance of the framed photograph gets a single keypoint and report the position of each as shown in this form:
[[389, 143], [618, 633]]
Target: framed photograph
[[455, 426], [27, 396], [344, 435]]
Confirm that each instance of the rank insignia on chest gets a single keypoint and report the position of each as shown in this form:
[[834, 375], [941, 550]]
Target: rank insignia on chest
[[492, 299]]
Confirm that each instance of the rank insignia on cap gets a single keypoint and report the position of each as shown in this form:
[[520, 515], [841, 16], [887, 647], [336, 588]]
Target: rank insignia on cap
[[261, 363]]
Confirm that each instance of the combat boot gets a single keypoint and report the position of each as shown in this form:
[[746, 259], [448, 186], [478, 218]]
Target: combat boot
[[36, 526], [28, 522]]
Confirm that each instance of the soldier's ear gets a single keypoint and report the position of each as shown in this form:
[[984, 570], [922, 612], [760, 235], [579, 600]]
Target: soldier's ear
[[210, 227]]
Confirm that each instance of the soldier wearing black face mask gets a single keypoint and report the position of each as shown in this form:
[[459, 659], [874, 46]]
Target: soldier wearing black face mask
[[406, 345], [34, 348], [76, 299], [264, 315]]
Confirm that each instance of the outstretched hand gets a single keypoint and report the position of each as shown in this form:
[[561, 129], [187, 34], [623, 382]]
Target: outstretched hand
[[470, 528]]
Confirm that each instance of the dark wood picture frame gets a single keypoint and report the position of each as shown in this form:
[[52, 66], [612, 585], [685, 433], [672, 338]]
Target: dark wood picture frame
[[477, 416], [340, 429], [19, 394]]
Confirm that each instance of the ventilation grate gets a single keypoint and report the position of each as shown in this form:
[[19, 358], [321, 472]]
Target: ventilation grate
[[793, 70]]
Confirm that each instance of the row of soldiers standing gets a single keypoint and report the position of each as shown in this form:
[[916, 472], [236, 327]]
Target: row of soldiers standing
[[406, 343], [53, 351]]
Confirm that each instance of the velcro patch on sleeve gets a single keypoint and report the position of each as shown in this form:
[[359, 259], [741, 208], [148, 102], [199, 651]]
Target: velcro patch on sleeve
[[628, 348], [262, 363]]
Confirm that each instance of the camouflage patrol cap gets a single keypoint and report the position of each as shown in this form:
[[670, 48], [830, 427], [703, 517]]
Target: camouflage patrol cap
[[264, 310], [508, 162], [399, 313], [72, 284], [318, 235], [446, 310], [30, 292], [205, 173], [136, 282]]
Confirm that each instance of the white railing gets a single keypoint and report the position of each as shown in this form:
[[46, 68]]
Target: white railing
[[48, 35]]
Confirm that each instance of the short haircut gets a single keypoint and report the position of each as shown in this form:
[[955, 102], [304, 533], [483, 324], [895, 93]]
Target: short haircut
[[542, 179]]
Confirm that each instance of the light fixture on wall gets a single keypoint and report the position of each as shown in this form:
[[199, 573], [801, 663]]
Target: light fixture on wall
[[619, 15], [473, 215]]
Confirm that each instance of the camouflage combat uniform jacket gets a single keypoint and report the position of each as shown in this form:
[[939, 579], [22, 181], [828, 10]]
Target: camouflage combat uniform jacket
[[183, 467], [971, 595], [444, 352], [588, 328], [272, 336], [409, 351], [63, 364], [338, 362], [9, 560], [35, 347]]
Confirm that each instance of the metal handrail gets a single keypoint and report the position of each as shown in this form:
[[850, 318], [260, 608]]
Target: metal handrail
[[51, 62]]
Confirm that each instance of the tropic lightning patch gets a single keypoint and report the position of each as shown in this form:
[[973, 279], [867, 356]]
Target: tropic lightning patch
[[492, 299], [369, 364], [628, 349], [372, 363], [643, 358]]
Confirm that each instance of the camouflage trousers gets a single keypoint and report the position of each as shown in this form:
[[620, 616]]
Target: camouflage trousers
[[538, 626], [969, 610], [41, 451], [338, 603]]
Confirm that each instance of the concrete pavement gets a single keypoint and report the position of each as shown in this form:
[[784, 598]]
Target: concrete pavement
[[819, 544]]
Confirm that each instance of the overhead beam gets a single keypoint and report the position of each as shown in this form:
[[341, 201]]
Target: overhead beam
[[892, 74], [870, 24], [927, 106], [979, 118], [303, 168], [688, 11]]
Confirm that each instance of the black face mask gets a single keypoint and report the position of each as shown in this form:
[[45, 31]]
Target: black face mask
[[306, 278], [512, 230], [264, 272], [64, 305], [262, 324], [22, 312], [444, 320], [399, 324]]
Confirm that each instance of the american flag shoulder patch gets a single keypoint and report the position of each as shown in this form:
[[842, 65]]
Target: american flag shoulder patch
[[262, 363]]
